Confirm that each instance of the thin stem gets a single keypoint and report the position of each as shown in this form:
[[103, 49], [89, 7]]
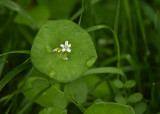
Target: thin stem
[[20, 51], [32, 101], [72, 99], [78, 13], [141, 26], [115, 38], [132, 36], [117, 17]]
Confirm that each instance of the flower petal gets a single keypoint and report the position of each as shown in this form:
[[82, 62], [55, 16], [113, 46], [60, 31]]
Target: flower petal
[[62, 45], [68, 49], [66, 43], [69, 45], [63, 49]]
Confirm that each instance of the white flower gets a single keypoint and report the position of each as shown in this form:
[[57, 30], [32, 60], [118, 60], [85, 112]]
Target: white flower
[[66, 47]]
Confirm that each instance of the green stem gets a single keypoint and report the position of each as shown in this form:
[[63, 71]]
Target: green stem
[[141, 26], [13, 52], [132, 36], [117, 17], [72, 99], [14, 72], [114, 35], [139, 16]]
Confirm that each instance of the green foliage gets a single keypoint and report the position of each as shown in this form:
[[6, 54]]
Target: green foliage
[[53, 110], [101, 90], [12, 5], [60, 101], [87, 56], [121, 99], [130, 84], [36, 83], [40, 18], [55, 33], [77, 90], [136, 97], [118, 83], [140, 108], [49, 98], [13, 73], [12, 52], [104, 70], [59, 9], [39, 84], [110, 8], [109, 108]]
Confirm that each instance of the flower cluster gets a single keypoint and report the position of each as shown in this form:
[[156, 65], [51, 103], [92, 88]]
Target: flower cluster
[[64, 48]]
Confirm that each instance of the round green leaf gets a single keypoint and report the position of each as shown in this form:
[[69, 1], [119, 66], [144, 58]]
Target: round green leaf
[[120, 99], [51, 36], [140, 108], [53, 110], [118, 83], [109, 108], [40, 84], [130, 84], [35, 85], [61, 101], [136, 97], [77, 89]]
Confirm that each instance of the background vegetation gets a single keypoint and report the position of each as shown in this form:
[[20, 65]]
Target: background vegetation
[[135, 50]]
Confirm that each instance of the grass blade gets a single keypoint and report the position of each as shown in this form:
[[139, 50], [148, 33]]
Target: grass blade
[[139, 17], [104, 70], [114, 35], [15, 7], [13, 73], [21, 51], [117, 17]]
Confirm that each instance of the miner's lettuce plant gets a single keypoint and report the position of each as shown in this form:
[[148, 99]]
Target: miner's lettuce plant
[[79, 56], [63, 52]]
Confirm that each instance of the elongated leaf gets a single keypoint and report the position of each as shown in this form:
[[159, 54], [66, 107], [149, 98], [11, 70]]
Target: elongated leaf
[[15, 7], [13, 73], [115, 38], [104, 70], [40, 18], [20, 51]]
